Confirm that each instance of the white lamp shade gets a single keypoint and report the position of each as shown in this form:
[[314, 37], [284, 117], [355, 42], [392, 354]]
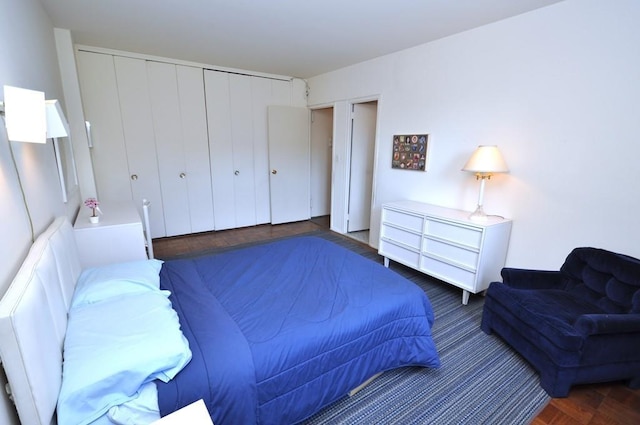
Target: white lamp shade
[[57, 125], [25, 115], [486, 159]]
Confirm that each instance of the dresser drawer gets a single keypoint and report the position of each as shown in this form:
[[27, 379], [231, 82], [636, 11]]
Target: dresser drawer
[[453, 232], [453, 253], [405, 237], [401, 254], [401, 219], [449, 273]]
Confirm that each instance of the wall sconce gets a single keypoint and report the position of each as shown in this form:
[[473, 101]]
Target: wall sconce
[[484, 162], [57, 126], [24, 114], [29, 118]]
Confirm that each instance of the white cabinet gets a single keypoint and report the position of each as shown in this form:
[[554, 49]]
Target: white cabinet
[[117, 237], [182, 146], [149, 133], [238, 139], [192, 141], [445, 243]]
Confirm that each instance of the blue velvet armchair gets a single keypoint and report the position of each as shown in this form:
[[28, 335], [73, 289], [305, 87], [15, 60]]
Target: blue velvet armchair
[[578, 325]]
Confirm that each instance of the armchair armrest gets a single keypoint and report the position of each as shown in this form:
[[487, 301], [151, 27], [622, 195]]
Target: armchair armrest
[[532, 279], [594, 324]]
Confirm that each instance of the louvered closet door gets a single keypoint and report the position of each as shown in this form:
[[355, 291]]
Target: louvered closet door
[[179, 122]]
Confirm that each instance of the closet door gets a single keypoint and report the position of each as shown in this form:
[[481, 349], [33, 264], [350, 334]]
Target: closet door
[[289, 158], [98, 83], [243, 160], [116, 102], [265, 92], [137, 123], [195, 138], [221, 148], [230, 123], [179, 123]]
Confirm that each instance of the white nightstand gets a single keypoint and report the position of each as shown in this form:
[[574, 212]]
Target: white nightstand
[[195, 413], [118, 237]]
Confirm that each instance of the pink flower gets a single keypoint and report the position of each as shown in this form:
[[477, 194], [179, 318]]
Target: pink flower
[[93, 204]]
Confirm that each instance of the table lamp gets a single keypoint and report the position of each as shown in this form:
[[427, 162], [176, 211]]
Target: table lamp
[[485, 161]]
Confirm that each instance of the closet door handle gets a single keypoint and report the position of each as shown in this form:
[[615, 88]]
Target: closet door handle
[[182, 175], [236, 172], [87, 126], [274, 171], [134, 177]]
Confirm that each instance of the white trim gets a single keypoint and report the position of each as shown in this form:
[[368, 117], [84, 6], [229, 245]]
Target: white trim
[[93, 49]]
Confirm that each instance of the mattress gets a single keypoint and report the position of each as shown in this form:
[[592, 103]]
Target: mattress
[[280, 330]]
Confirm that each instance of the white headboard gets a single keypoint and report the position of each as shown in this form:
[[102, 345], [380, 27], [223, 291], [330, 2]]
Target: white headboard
[[33, 321]]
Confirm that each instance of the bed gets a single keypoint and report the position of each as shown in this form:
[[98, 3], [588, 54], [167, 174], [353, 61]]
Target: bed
[[274, 332]]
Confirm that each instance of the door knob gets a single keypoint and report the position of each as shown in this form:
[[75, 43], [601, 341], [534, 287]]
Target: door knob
[[182, 175], [236, 172], [274, 171], [134, 177]]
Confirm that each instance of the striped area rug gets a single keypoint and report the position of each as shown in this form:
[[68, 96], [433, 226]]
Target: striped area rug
[[481, 380]]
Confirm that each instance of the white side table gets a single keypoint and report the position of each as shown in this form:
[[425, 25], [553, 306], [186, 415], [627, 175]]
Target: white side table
[[195, 413], [117, 237]]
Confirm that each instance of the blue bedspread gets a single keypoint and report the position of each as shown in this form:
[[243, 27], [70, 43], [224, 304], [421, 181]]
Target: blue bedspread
[[280, 330]]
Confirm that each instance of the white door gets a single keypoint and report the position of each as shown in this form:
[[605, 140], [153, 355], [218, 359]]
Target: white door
[[289, 163], [230, 123], [137, 122], [101, 105], [363, 135], [179, 119], [265, 92]]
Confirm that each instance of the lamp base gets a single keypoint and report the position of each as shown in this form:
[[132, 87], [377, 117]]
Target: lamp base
[[478, 214]]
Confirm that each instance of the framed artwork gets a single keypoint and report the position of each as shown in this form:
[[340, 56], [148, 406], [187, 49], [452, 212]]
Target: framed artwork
[[410, 151]]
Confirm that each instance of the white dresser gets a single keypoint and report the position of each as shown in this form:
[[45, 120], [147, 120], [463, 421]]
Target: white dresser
[[445, 243], [118, 237]]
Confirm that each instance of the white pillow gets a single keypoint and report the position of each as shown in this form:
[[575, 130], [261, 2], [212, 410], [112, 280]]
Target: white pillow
[[115, 346], [101, 283]]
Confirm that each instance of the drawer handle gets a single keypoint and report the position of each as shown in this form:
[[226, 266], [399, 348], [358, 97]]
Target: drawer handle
[[182, 175], [236, 172]]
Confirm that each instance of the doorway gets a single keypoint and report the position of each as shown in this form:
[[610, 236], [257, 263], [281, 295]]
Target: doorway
[[363, 137], [321, 162]]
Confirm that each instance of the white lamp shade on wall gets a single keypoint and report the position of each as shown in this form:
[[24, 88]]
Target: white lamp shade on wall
[[25, 115], [57, 125]]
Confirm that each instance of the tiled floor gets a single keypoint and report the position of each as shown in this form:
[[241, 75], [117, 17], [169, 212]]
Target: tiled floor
[[611, 404]]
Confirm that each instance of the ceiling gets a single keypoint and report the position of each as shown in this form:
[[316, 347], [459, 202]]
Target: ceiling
[[300, 38]]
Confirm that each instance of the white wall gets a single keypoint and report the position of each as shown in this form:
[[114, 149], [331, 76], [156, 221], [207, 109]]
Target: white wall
[[28, 60], [557, 89]]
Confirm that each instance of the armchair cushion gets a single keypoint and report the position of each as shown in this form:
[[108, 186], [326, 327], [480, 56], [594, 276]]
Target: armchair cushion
[[576, 325]]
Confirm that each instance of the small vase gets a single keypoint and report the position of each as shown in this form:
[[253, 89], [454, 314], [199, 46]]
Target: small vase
[[94, 219]]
